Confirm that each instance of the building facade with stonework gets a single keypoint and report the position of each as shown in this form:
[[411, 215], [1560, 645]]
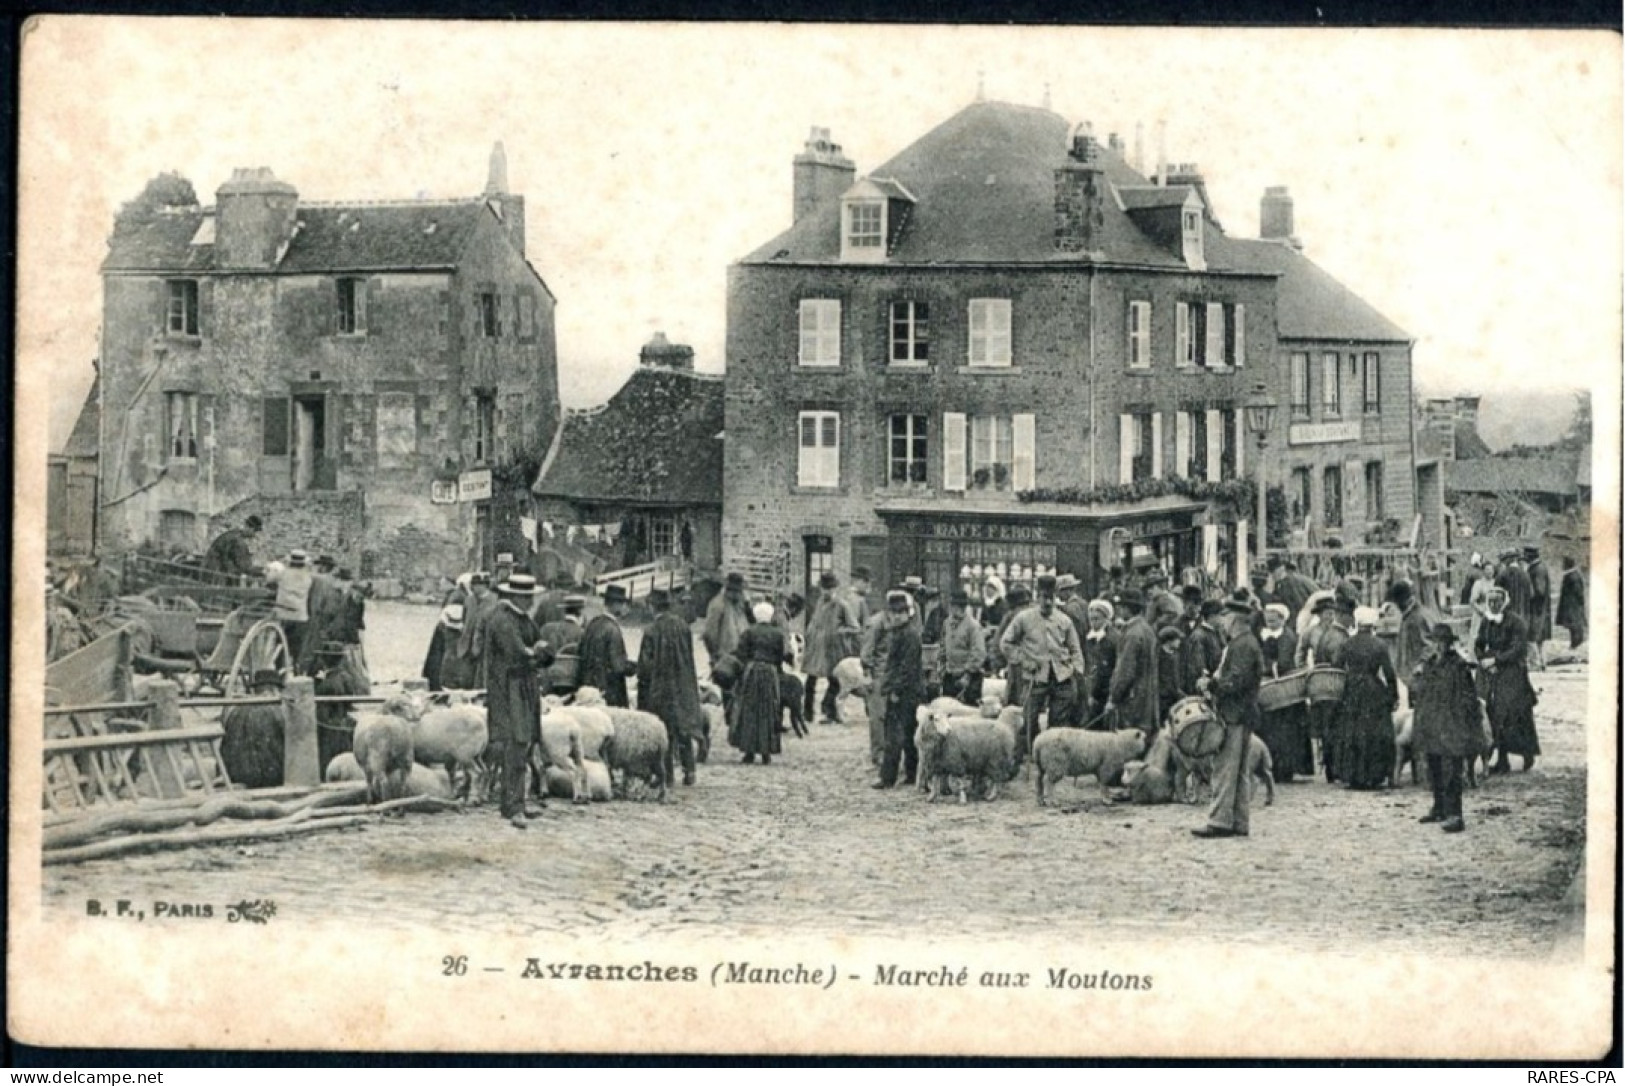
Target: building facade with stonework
[[1009, 349], [376, 380]]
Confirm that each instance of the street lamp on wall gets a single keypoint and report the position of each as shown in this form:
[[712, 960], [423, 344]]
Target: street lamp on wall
[[1260, 408]]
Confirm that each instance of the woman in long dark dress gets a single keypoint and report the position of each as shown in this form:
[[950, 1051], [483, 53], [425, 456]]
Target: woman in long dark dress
[[1509, 699], [1370, 695], [1284, 731], [754, 726]]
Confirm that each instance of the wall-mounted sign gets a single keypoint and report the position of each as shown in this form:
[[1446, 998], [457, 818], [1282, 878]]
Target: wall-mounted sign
[[443, 491], [474, 486], [1322, 433]]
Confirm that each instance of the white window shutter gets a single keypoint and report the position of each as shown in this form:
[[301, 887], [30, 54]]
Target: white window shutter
[[1133, 333], [1182, 443], [1215, 444], [953, 451], [830, 453], [809, 332], [1215, 334], [1125, 448], [1210, 548], [806, 450], [1182, 334], [1002, 343], [1241, 335], [1241, 443], [1156, 445], [1025, 449]]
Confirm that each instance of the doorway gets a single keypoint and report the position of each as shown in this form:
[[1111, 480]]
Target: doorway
[[312, 469]]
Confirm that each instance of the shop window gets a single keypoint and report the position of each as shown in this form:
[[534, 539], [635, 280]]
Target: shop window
[[906, 449]]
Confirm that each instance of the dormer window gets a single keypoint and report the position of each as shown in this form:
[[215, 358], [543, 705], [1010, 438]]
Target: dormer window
[[872, 213]]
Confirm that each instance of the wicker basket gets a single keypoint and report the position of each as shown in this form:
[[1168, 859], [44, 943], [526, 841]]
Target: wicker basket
[[561, 673], [1197, 730], [1326, 684], [1285, 692]]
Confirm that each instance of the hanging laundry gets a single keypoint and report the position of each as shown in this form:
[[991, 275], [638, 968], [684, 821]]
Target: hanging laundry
[[527, 528]]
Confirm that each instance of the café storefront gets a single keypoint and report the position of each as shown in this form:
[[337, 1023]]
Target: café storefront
[[949, 544]]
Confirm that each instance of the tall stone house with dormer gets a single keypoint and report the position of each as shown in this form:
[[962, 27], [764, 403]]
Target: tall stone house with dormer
[[1009, 349], [376, 379]]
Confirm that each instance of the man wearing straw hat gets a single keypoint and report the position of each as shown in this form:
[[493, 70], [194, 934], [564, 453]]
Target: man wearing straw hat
[[513, 653], [1235, 687], [1445, 704]]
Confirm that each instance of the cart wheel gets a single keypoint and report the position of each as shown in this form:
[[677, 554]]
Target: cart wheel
[[263, 648]]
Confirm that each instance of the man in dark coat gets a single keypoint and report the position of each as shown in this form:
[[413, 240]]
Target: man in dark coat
[[1444, 701], [1293, 588], [1200, 653], [513, 653], [482, 603], [1571, 604], [1502, 651], [1540, 605], [1235, 688], [902, 687], [604, 663], [1134, 680], [1415, 626], [563, 636], [726, 617], [1513, 579], [231, 552], [1162, 607], [668, 685]]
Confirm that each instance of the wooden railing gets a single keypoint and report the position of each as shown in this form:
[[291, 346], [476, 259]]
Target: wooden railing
[[639, 581]]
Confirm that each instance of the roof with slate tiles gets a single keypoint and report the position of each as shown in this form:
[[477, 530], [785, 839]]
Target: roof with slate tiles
[[1515, 475], [657, 441]]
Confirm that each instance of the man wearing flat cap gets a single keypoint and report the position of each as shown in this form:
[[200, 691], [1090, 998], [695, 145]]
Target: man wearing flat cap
[[1235, 689], [604, 663], [833, 628], [901, 688], [1445, 728], [964, 651], [1044, 643]]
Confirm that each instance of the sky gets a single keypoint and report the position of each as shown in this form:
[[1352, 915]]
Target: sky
[[1466, 183]]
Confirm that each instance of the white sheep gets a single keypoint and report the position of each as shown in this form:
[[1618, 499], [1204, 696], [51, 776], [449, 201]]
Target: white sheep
[[561, 747], [972, 748], [996, 688], [452, 737], [713, 722], [1073, 752], [638, 748], [1010, 719], [383, 748], [1154, 783], [851, 681], [1191, 773], [564, 785], [422, 781]]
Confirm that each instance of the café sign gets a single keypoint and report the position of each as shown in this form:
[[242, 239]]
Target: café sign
[[993, 533], [474, 486], [1322, 433]]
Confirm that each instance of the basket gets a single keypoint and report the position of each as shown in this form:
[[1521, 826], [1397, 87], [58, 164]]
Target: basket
[[1285, 692], [1196, 729], [561, 673], [1326, 684]]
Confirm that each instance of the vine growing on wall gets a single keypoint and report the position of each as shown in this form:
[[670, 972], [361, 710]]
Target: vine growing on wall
[[1238, 493]]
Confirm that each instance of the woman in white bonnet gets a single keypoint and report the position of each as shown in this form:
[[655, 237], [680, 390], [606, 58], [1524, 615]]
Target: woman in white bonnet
[[753, 728], [1370, 695]]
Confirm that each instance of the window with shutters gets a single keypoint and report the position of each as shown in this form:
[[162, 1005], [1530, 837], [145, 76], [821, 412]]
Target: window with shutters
[[490, 315], [1300, 384], [991, 452], [1213, 336], [910, 333], [819, 439], [906, 449], [182, 307], [820, 327], [1373, 490], [180, 412], [352, 307], [1332, 493], [275, 427], [1144, 434], [1184, 349], [955, 446], [485, 426], [1199, 445], [989, 323], [1139, 335], [1373, 383], [1331, 389]]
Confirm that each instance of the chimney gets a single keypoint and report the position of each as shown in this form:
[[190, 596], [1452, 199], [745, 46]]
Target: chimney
[[254, 217], [1139, 147], [821, 173], [1115, 142], [1162, 152], [660, 353], [507, 206], [1188, 173], [1079, 195], [1275, 216]]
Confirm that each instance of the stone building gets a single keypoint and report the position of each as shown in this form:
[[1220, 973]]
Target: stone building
[[376, 380], [1009, 348], [647, 466]]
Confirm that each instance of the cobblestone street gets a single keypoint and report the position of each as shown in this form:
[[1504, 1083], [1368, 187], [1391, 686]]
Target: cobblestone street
[[805, 845]]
